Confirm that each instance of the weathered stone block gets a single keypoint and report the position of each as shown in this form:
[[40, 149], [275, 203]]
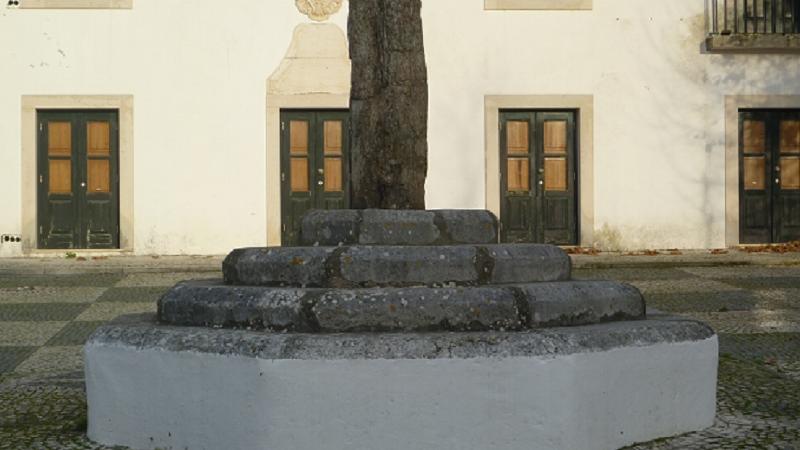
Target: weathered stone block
[[528, 263], [400, 266], [210, 303], [582, 302], [417, 309], [462, 226], [276, 266], [322, 227], [388, 227], [398, 227]]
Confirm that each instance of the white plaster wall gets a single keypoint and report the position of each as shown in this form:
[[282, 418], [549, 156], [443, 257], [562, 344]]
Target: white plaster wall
[[658, 117], [591, 401], [197, 71]]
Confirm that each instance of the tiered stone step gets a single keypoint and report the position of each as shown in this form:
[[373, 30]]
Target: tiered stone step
[[367, 266], [501, 307], [401, 319], [388, 276]]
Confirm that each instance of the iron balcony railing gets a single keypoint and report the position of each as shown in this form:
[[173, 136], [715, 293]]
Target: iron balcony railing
[[730, 17]]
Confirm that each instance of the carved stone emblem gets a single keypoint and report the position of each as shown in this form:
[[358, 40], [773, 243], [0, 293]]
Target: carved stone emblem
[[319, 10]]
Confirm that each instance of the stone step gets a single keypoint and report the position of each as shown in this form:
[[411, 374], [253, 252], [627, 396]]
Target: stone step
[[366, 266], [398, 227], [499, 307]]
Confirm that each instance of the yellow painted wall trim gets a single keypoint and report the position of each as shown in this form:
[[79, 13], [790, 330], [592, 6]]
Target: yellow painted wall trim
[[33, 103], [76, 4], [584, 104], [567, 5], [733, 104]]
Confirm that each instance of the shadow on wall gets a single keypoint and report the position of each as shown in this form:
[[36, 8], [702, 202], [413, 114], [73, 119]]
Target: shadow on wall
[[688, 129]]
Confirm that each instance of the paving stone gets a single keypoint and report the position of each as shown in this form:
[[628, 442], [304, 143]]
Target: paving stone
[[39, 294], [164, 279], [132, 294], [683, 286], [631, 274], [74, 333], [77, 280], [779, 298], [719, 301], [112, 310], [25, 334], [40, 312], [746, 271], [11, 357], [756, 321], [776, 282], [53, 360]]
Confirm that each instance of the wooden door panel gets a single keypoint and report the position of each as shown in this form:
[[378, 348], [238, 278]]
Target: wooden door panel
[[558, 181], [78, 179], [538, 163], [517, 226], [59, 226], [755, 187], [314, 166], [58, 204]]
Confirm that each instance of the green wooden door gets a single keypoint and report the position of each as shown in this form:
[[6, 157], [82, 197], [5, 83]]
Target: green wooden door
[[538, 177], [78, 179], [769, 181], [314, 166]]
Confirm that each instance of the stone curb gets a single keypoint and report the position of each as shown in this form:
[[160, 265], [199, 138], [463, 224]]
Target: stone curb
[[142, 331], [398, 227], [505, 307], [367, 266]]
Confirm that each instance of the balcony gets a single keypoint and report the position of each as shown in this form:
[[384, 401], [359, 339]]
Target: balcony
[[754, 26]]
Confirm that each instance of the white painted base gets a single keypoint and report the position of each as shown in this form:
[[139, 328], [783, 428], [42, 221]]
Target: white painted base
[[152, 398]]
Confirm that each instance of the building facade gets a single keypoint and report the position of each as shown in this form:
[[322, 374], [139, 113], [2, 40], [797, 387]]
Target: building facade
[[192, 126]]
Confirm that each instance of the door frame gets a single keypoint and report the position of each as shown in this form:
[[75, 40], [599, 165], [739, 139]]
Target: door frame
[[733, 104], [123, 104], [314, 141], [583, 106]]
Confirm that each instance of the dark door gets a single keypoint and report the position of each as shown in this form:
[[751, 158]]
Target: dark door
[[538, 177], [314, 166], [78, 179], [769, 164]]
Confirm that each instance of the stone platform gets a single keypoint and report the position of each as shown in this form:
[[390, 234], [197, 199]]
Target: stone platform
[[399, 329], [592, 387]]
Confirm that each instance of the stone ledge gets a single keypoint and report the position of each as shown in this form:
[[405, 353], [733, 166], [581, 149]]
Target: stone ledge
[[398, 227], [143, 332], [753, 43], [506, 307], [366, 266], [586, 388]]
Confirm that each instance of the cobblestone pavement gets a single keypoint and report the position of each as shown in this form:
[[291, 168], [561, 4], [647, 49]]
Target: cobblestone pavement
[[44, 320]]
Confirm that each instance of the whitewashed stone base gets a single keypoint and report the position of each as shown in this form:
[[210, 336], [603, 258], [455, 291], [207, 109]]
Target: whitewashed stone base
[[156, 395]]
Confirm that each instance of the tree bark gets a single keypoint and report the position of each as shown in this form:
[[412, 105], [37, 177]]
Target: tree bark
[[388, 105]]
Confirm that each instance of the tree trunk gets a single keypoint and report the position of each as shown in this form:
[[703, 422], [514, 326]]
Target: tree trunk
[[388, 105]]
